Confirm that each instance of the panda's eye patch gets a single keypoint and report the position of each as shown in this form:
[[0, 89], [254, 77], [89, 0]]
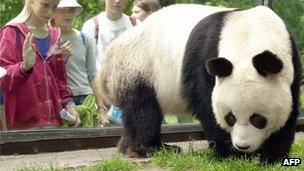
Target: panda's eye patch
[[230, 119], [258, 121]]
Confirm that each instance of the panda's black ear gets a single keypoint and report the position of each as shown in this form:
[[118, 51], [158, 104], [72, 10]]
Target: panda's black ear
[[220, 67], [267, 63]]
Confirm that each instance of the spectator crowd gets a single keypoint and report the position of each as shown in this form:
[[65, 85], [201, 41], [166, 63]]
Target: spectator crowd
[[48, 68]]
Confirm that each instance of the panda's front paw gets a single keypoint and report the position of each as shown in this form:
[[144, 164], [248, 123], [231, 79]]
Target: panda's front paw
[[171, 147], [133, 154], [139, 152], [273, 154], [227, 151], [123, 144], [271, 159]]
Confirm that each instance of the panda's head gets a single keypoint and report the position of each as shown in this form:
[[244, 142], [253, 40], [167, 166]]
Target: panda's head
[[250, 100]]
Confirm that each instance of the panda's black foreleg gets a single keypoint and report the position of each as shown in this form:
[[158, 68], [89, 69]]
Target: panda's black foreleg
[[123, 144], [219, 140], [142, 118], [278, 145]]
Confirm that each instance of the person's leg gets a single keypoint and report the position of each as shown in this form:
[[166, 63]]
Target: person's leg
[[78, 100], [3, 126]]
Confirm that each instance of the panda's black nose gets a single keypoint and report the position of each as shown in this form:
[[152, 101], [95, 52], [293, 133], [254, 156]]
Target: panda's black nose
[[242, 147]]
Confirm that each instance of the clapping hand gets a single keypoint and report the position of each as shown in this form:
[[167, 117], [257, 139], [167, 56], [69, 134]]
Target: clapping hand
[[28, 52]]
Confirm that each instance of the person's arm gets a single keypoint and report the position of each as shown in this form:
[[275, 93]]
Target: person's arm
[[71, 108], [90, 57], [91, 72], [12, 59], [102, 109], [63, 87]]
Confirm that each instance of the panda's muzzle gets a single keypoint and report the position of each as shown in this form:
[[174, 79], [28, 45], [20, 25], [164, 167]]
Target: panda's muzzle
[[242, 147]]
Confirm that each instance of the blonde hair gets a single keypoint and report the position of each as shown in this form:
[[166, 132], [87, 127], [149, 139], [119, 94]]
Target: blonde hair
[[23, 15]]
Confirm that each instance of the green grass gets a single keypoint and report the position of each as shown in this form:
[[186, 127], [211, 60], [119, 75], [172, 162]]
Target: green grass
[[205, 160], [114, 163], [192, 160], [48, 167]]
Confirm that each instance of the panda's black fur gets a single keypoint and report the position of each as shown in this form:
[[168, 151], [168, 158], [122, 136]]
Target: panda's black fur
[[203, 42], [278, 145], [198, 91], [142, 112], [140, 102]]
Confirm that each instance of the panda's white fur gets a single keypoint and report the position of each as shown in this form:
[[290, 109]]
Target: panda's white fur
[[156, 49], [163, 54], [245, 91]]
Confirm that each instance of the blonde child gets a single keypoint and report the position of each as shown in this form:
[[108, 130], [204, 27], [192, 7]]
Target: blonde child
[[35, 85]]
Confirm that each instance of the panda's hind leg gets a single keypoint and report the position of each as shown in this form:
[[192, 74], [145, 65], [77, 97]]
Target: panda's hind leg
[[142, 117]]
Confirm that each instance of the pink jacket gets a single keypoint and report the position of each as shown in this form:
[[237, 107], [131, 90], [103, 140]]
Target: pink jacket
[[35, 98]]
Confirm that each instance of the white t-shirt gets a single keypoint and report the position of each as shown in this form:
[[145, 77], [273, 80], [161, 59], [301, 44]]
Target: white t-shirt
[[108, 31]]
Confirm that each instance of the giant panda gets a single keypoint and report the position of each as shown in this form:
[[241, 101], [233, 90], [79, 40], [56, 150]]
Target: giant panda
[[237, 71]]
